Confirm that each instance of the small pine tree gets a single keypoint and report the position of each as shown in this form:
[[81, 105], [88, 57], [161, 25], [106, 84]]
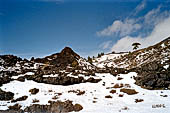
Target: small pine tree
[[136, 45], [99, 55], [102, 54]]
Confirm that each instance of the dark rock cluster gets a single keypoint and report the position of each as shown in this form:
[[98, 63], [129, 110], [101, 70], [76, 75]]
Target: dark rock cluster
[[4, 96], [62, 80], [112, 70], [9, 60], [153, 75], [60, 60], [34, 91], [20, 99], [54, 107]]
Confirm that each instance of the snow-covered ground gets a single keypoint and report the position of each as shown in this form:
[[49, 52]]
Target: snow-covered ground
[[93, 100], [107, 59]]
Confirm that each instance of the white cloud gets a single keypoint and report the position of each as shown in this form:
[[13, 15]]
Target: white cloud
[[120, 28], [106, 45], [160, 32], [154, 16], [124, 27], [150, 29], [140, 7]]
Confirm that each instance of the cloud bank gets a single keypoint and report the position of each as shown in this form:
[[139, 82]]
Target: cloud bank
[[121, 28], [160, 32], [149, 29]]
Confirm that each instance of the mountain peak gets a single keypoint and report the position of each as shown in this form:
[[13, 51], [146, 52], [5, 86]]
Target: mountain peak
[[67, 51]]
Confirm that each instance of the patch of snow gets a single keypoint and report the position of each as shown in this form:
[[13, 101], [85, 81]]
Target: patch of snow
[[56, 75], [29, 73], [2, 61], [2, 68], [166, 66], [162, 45]]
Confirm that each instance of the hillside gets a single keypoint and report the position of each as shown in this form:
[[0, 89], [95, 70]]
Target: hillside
[[159, 52], [65, 82]]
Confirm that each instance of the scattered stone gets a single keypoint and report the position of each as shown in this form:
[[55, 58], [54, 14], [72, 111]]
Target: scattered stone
[[128, 91], [108, 96], [94, 101], [118, 86], [139, 100], [78, 92], [121, 95], [164, 95], [34, 91], [55, 97], [77, 107], [35, 101], [113, 91], [119, 78], [95, 98]]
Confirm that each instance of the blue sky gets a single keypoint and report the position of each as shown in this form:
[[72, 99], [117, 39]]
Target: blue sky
[[41, 27]]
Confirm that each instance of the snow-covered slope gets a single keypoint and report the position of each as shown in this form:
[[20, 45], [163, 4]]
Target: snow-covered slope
[[158, 52], [97, 97]]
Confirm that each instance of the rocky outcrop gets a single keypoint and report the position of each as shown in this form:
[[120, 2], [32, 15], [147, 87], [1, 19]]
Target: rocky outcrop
[[20, 99], [60, 60], [111, 70], [62, 80], [154, 75], [54, 107], [9, 60]]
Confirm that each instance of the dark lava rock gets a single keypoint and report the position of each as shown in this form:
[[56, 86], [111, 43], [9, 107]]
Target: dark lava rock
[[15, 107], [20, 99], [5, 76], [4, 96], [92, 80], [9, 60], [54, 107], [153, 76], [61, 80], [4, 80], [21, 79], [129, 91], [34, 91], [60, 60]]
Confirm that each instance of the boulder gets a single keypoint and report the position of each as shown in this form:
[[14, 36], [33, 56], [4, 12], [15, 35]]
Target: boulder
[[4, 96], [34, 91]]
